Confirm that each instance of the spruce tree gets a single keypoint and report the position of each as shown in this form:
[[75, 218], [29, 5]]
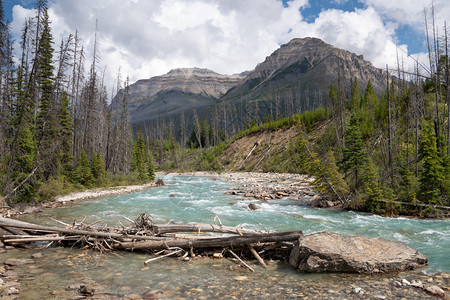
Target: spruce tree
[[65, 133], [46, 132], [139, 156], [150, 167], [354, 154], [432, 175], [83, 172], [328, 178], [98, 167]]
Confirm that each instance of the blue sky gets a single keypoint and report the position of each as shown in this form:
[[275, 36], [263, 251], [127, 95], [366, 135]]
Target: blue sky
[[146, 38]]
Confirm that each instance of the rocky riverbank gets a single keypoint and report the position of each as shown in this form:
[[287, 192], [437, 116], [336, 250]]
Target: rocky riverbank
[[231, 282], [268, 186], [22, 209]]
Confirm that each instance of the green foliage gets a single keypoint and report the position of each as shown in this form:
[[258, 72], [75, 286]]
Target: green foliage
[[328, 178], [209, 161], [98, 168], [83, 172], [432, 175], [65, 134], [354, 154], [150, 167], [372, 188]]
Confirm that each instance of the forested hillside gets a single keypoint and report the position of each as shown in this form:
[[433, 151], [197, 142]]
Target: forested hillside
[[56, 132], [386, 154]]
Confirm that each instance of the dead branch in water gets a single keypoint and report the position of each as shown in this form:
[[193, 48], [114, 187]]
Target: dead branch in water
[[145, 235]]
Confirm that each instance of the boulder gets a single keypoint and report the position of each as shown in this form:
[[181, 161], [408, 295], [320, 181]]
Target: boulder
[[435, 291], [332, 252], [253, 206], [18, 261]]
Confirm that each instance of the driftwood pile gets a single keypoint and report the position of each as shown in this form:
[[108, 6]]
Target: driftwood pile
[[186, 240]]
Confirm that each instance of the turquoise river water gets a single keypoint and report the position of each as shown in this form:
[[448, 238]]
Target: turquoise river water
[[200, 199]]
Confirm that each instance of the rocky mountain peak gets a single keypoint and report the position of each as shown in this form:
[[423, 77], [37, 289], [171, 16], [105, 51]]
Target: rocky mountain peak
[[310, 65]]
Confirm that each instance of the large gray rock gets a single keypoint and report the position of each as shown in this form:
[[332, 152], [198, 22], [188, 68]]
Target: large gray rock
[[332, 252]]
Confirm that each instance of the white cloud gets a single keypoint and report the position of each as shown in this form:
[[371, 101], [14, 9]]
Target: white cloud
[[411, 12], [148, 38]]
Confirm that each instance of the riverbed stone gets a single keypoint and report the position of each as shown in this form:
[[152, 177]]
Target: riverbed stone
[[435, 291], [13, 291], [18, 261], [332, 252], [253, 206], [37, 255]]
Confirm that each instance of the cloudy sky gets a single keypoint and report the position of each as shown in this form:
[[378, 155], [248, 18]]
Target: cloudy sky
[[145, 38]]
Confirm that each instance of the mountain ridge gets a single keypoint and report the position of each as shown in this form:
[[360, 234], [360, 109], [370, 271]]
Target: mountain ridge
[[294, 78]]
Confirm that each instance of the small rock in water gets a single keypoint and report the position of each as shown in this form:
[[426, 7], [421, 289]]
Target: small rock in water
[[298, 216], [436, 291], [233, 202], [37, 255], [356, 290], [86, 290], [217, 255], [253, 206], [172, 196], [18, 262], [12, 284], [13, 291], [241, 278], [152, 294]]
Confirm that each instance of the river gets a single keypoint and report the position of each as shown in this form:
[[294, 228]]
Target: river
[[200, 199]]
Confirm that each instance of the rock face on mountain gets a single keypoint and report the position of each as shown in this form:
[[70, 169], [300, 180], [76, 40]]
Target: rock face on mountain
[[178, 90], [307, 67]]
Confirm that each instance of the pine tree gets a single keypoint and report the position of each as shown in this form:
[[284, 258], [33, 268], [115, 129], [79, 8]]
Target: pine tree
[[83, 172], [432, 175], [354, 154], [21, 162], [65, 133], [372, 188], [139, 156], [98, 167], [45, 120], [328, 178], [150, 167]]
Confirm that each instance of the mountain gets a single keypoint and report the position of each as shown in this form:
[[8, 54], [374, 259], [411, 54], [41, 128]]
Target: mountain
[[304, 68], [180, 89], [294, 78]]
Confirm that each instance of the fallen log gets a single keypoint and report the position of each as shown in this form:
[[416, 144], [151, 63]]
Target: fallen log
[[170, 228], [4, 222], [217, 242]]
